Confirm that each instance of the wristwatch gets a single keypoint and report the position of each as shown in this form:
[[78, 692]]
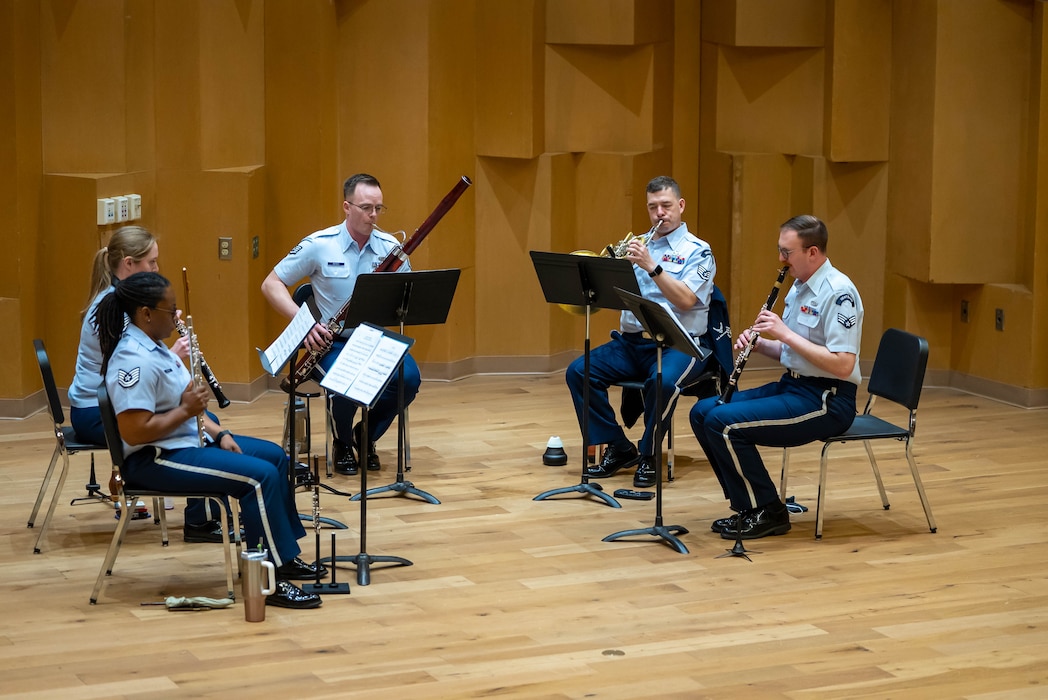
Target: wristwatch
[[218, 438], [656, 272]]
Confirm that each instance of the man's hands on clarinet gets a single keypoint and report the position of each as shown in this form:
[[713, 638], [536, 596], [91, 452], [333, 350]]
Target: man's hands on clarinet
[[771, 328]]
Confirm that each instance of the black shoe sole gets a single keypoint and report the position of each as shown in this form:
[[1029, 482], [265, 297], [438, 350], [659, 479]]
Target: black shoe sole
[[280, 602], [770, 532]]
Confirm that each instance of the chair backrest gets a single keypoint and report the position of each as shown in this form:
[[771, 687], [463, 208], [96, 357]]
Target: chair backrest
[[54, 404], [898, 368], [112, 430], [302, 293], [718, 331]]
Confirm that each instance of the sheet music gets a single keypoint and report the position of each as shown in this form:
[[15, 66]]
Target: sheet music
[[365, 364], [276, 355]]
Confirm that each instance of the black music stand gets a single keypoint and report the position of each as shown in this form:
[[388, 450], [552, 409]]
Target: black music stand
[[399, 299], [363, 560], [590, 282], [283, 351], [666, 331]]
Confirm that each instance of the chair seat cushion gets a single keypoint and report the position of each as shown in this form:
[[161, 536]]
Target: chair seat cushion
[[868, 427], [75, 444]]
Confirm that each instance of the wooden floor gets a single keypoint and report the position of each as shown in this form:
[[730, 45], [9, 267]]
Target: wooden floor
[[516, 598]]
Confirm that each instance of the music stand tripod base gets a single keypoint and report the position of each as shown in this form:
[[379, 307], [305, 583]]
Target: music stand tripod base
[[667, 534], [585, 488], [400, 488]]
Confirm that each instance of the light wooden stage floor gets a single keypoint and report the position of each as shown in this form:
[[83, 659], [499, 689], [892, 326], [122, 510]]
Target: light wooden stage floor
[[509, 597]]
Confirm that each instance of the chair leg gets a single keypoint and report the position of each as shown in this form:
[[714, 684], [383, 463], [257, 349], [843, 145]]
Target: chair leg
[[785, 473], [822, 490], [877, 474], [669, 452], [224, 522], [63, 473], [44, 484], [920, 486], [160, 518], [126, 516]]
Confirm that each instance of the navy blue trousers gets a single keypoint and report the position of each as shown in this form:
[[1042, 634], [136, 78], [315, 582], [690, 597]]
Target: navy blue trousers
[[343, 411], [629, 357], [87, 424], [787, 413], [258, 479]]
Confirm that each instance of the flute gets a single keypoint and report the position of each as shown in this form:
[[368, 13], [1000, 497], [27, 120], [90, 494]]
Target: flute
[[740, 361]]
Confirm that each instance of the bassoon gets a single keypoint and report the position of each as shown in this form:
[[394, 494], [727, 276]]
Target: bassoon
[[740, 361], [391, 263]]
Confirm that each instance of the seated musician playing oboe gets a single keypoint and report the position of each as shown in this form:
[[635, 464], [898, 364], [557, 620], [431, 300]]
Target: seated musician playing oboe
[[130, 249], [676, 269], [817, 341], [157, 404], [332, 258]]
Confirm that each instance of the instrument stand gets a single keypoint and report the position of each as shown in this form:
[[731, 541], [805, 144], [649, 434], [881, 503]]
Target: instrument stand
[[590, 282], [363, 560], [389, 302], [333, 587], [94, 490], [667, 332], [293, 458]]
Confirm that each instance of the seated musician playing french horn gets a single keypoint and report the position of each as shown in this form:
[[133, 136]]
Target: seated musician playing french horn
[[675, 268], [170, 443], [332, 258]]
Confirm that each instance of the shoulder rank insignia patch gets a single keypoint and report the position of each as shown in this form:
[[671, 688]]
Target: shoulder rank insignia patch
[[128, 379]]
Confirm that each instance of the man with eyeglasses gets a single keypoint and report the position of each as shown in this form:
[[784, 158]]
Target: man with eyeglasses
[[817, 341], [332, 258]]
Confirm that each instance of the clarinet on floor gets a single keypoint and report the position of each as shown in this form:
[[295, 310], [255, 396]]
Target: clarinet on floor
[[740, 361]]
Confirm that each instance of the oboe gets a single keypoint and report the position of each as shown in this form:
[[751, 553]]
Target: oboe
[[740, 361]]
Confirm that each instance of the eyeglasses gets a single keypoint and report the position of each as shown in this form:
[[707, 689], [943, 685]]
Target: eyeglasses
[[368, 208], [173, 311], [787, 253]]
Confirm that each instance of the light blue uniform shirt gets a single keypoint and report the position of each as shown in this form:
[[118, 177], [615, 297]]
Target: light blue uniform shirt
[[144, 374], [684, 257], [83, 392], [827, 310], [332, 260]]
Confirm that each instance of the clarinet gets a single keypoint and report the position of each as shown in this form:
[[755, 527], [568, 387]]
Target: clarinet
[[740, 361], [391, 263], [195, 370], [205, 370]]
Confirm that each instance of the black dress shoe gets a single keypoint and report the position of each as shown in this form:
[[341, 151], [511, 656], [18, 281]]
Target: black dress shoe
[[772, 519], [614, 459], [288, 595], [345, 462], [644, 477], [299, 570], [211, 531], [372, 461], [721, 524]]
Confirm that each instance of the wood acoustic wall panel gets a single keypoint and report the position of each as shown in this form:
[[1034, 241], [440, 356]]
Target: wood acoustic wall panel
[[981, 125], [510, 78], [764, 22], [852, 198], [83, 86], [232, 89], [760, 203], [515, 202], [177, 86], [1036, 265], [714, 211], [1002, 356], [602, 99], [770, 100], [228, 310], [687, 52], [921, 308], [608, 22], [303, 183], [859, 81]]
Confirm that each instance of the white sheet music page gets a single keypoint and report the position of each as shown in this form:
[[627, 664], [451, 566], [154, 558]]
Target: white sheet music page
[[365, 365], [274, 357]]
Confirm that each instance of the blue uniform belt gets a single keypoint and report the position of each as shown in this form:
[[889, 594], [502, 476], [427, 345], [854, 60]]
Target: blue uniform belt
[[826, 382]]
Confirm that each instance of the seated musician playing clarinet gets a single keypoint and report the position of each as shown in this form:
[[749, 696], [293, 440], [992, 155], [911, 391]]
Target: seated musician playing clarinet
[[332, 258], [676, 269], [158, 406], [817, 341]]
